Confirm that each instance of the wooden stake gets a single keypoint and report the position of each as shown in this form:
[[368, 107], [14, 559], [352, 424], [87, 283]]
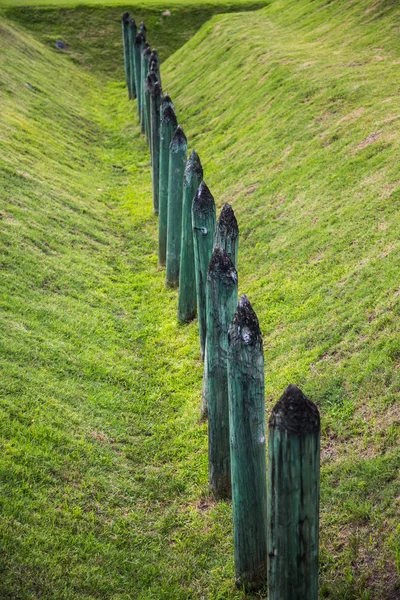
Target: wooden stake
[[203, 225], [293, 498], [125, 40], [149, 85], [167, 129], [143, 30], [222, 297], [177, 162], [155, 103], [131, 41], [137, 51], [227, 233], [187, 277], [144, 69], [248, 460]]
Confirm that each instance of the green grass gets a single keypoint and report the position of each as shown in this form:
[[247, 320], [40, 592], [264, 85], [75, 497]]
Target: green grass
[[93, 33], [103, 463]]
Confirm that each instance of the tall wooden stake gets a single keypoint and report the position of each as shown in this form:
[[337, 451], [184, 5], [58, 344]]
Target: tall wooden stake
[[131, 41], [227, 233], [125, 40], [203, 225], [137, 51], [144, 69], [155, 103], [167, 129], [293, 498], [150, 81], [222, 296], [248, 460], [177, 162], [187, 277]]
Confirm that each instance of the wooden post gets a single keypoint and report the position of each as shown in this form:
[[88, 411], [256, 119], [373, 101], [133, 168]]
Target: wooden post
[[177, 162], [203, 225], [167, 129], [222, 297], [144, 69], [248, 460], [187, 278], [227, 233], [155, 103], [131, 41], [125, 40], [150, 81], [137, 51], [293, 498]]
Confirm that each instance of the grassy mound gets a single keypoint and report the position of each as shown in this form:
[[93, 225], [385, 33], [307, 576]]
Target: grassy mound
[[103, 466]]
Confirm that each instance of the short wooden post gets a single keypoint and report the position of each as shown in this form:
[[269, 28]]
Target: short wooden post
[[167, 129], [131, 42], [222, 296], [227, 233], [187, 277], [144, 69], [177, 162], [137, 51], [155, 103], [293, 498], [248, 445], [125, 41], [203, 225]]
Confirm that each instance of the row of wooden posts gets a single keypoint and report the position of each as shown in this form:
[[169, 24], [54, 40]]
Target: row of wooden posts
[[275, 526]]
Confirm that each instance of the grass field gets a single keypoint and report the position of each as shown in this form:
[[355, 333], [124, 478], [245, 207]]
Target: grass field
[[294, 111]]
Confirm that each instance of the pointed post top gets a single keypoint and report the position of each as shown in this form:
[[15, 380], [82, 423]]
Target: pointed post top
[[151, 79], [168, 116], [167, 99], [125, 17], [227, 223], [142, 26], [156, 89], [295, 414], [178, 141], [193, 167], [146, 50], [245, 328], [139, 39], [203, 202], [221, 267], [132, 23]]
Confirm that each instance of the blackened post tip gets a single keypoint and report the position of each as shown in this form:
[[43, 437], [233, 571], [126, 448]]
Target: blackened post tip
[[222, 266], [295, 414], [125, 16], [245, 328], [227, 221]]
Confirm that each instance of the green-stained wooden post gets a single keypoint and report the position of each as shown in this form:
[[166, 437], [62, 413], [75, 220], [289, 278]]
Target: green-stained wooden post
[[144, 72], [125, 40], [167, 129], [227, 233], [222, 297], [293, 498], [203, 226], [131, 41], [150, 81], [248, 456], [187, 277], [137, 51], [177, 163], [155, 103]]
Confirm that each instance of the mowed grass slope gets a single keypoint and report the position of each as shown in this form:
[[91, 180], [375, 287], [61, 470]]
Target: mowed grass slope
[[295, 112], [103, 465]]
